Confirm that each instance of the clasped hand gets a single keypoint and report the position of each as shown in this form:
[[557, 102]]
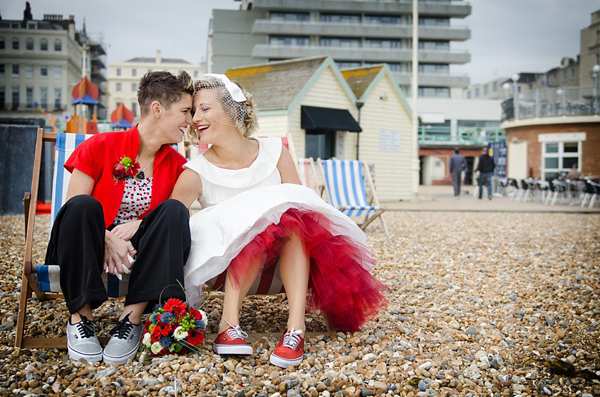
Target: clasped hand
[[118, 249]]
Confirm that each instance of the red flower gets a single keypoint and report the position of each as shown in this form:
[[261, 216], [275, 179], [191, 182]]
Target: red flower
[[195, 338], [125, 168], [175, 306], [196, 315], [161, 330]]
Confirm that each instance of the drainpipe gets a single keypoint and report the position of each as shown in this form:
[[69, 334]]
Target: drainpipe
[[359, 105]]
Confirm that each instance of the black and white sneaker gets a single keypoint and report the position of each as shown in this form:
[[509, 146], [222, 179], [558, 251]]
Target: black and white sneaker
[[82, 341], [124, 342]]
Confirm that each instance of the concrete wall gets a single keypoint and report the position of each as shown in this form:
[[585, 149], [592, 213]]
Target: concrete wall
[[231, 42]]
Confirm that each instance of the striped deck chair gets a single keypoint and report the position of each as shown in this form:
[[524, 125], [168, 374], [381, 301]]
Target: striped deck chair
[[308, 175], [40, 279], [347, 192]]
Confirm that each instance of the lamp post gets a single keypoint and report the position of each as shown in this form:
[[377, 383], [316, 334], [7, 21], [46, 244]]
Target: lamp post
[[359, 105], [561, 96], [595, 75], [515, 79]]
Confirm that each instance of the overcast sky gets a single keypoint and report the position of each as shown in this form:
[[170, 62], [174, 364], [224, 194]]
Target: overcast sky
[[507, 36]]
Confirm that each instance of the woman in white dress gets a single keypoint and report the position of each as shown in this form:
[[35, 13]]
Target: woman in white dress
[[256, 210]]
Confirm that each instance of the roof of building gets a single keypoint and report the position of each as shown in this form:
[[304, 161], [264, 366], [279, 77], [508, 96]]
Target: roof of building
[[275, 85], [360, 78], [153, 60]]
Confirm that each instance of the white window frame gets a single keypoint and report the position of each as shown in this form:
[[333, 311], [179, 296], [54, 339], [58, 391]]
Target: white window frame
[[560, 155]]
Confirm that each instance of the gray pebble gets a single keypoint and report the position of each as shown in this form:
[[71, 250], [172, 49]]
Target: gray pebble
[[471, 330]]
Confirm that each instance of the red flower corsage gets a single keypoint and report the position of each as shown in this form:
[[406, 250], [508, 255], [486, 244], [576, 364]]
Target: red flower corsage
[[125, 168]]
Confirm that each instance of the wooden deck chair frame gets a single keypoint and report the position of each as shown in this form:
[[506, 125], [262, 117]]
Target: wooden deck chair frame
[[309, 176], [29, 285], [373, 200]]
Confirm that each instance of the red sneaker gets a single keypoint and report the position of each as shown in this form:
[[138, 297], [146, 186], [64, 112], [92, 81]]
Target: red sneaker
[[232, 341], [290, 349]]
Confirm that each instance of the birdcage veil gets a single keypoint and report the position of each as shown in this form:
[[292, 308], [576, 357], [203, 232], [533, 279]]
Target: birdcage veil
[[218, 99]]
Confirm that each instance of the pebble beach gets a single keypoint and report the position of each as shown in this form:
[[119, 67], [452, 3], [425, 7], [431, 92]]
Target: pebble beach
[[480, 304]]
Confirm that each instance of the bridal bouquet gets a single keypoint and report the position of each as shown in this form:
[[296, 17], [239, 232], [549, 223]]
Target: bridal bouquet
[[173, 328]]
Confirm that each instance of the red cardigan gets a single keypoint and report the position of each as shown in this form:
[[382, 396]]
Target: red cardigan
[[98, 155]]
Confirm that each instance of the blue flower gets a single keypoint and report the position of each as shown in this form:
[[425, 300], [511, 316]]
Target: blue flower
[[156, 307], [167, 317], [199, 324], [165, 341]]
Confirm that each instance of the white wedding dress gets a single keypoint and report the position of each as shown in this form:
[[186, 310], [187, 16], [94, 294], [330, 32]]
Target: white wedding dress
[[245, 211]]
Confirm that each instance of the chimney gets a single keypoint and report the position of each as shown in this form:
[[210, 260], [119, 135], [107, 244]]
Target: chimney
[[158, 57]]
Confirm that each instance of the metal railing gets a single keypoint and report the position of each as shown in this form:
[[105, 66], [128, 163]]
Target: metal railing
[[552, 102], [465, 136]]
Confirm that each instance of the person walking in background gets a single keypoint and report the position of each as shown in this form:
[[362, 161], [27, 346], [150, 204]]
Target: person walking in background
[[486, 170], [457, 165]]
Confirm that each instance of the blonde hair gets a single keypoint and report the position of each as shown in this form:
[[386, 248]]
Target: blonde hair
[[244, 114]]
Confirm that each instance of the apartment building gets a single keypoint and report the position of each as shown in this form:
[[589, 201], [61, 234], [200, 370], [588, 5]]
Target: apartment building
[[40, 63], [123, 77], [354, 33]]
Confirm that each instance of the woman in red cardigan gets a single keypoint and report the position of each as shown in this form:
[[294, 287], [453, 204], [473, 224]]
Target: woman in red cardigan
[[118, 220]]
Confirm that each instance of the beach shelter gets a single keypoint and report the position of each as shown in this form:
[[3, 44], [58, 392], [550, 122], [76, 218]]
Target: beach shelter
[[121, 117], [85, 92]]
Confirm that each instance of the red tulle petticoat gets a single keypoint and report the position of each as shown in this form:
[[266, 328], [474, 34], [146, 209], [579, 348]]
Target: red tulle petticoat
[[340, 285]]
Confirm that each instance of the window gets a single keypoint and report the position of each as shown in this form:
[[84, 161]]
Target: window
[[44, 97], [134, 108], [573, 72], [340, 18], [434, 21], [44, 70], [2, 98], [133, 87], [339, 42], [133, 72], [196, 73], [15, 97], [28, 70], [2, 67], [439, 68], [15, 69], [289, 40], [485, 89], [383, 19], [29, 44], [433, 45], [29, 97], [15, 44], [118, 87], [44, 45], [565, 75], [57, 98], [118, 72], [57, 45], [320, 144], [347, 64], [477, 92], [289, 16], [434, 92], [559, 157], [383, 43], [468, 94], [57, 71], [495, 86], [2, 44]]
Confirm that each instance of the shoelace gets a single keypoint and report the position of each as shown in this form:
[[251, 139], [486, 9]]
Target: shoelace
[[85, 327], [291, 339], [122, 329], [235, 332]]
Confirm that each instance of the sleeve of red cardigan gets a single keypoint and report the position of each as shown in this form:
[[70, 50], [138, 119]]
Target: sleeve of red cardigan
[[88, 158]]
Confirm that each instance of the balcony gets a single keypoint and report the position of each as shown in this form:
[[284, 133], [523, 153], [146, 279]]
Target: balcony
[[431, 135], [453, 9], [552, 102], [434, 79], [315, 28], [278, 51]]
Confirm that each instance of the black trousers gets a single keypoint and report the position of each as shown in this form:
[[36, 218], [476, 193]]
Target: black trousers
[[76, 244]]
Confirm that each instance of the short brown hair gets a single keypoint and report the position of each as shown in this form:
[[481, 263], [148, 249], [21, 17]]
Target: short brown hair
[[164, 87]]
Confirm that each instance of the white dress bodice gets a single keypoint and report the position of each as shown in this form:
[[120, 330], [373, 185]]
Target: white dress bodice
[[220, 184]]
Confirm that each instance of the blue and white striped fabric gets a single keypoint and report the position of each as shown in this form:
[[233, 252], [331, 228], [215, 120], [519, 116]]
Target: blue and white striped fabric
[[65, 145], [48, 277], [346, 187]]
